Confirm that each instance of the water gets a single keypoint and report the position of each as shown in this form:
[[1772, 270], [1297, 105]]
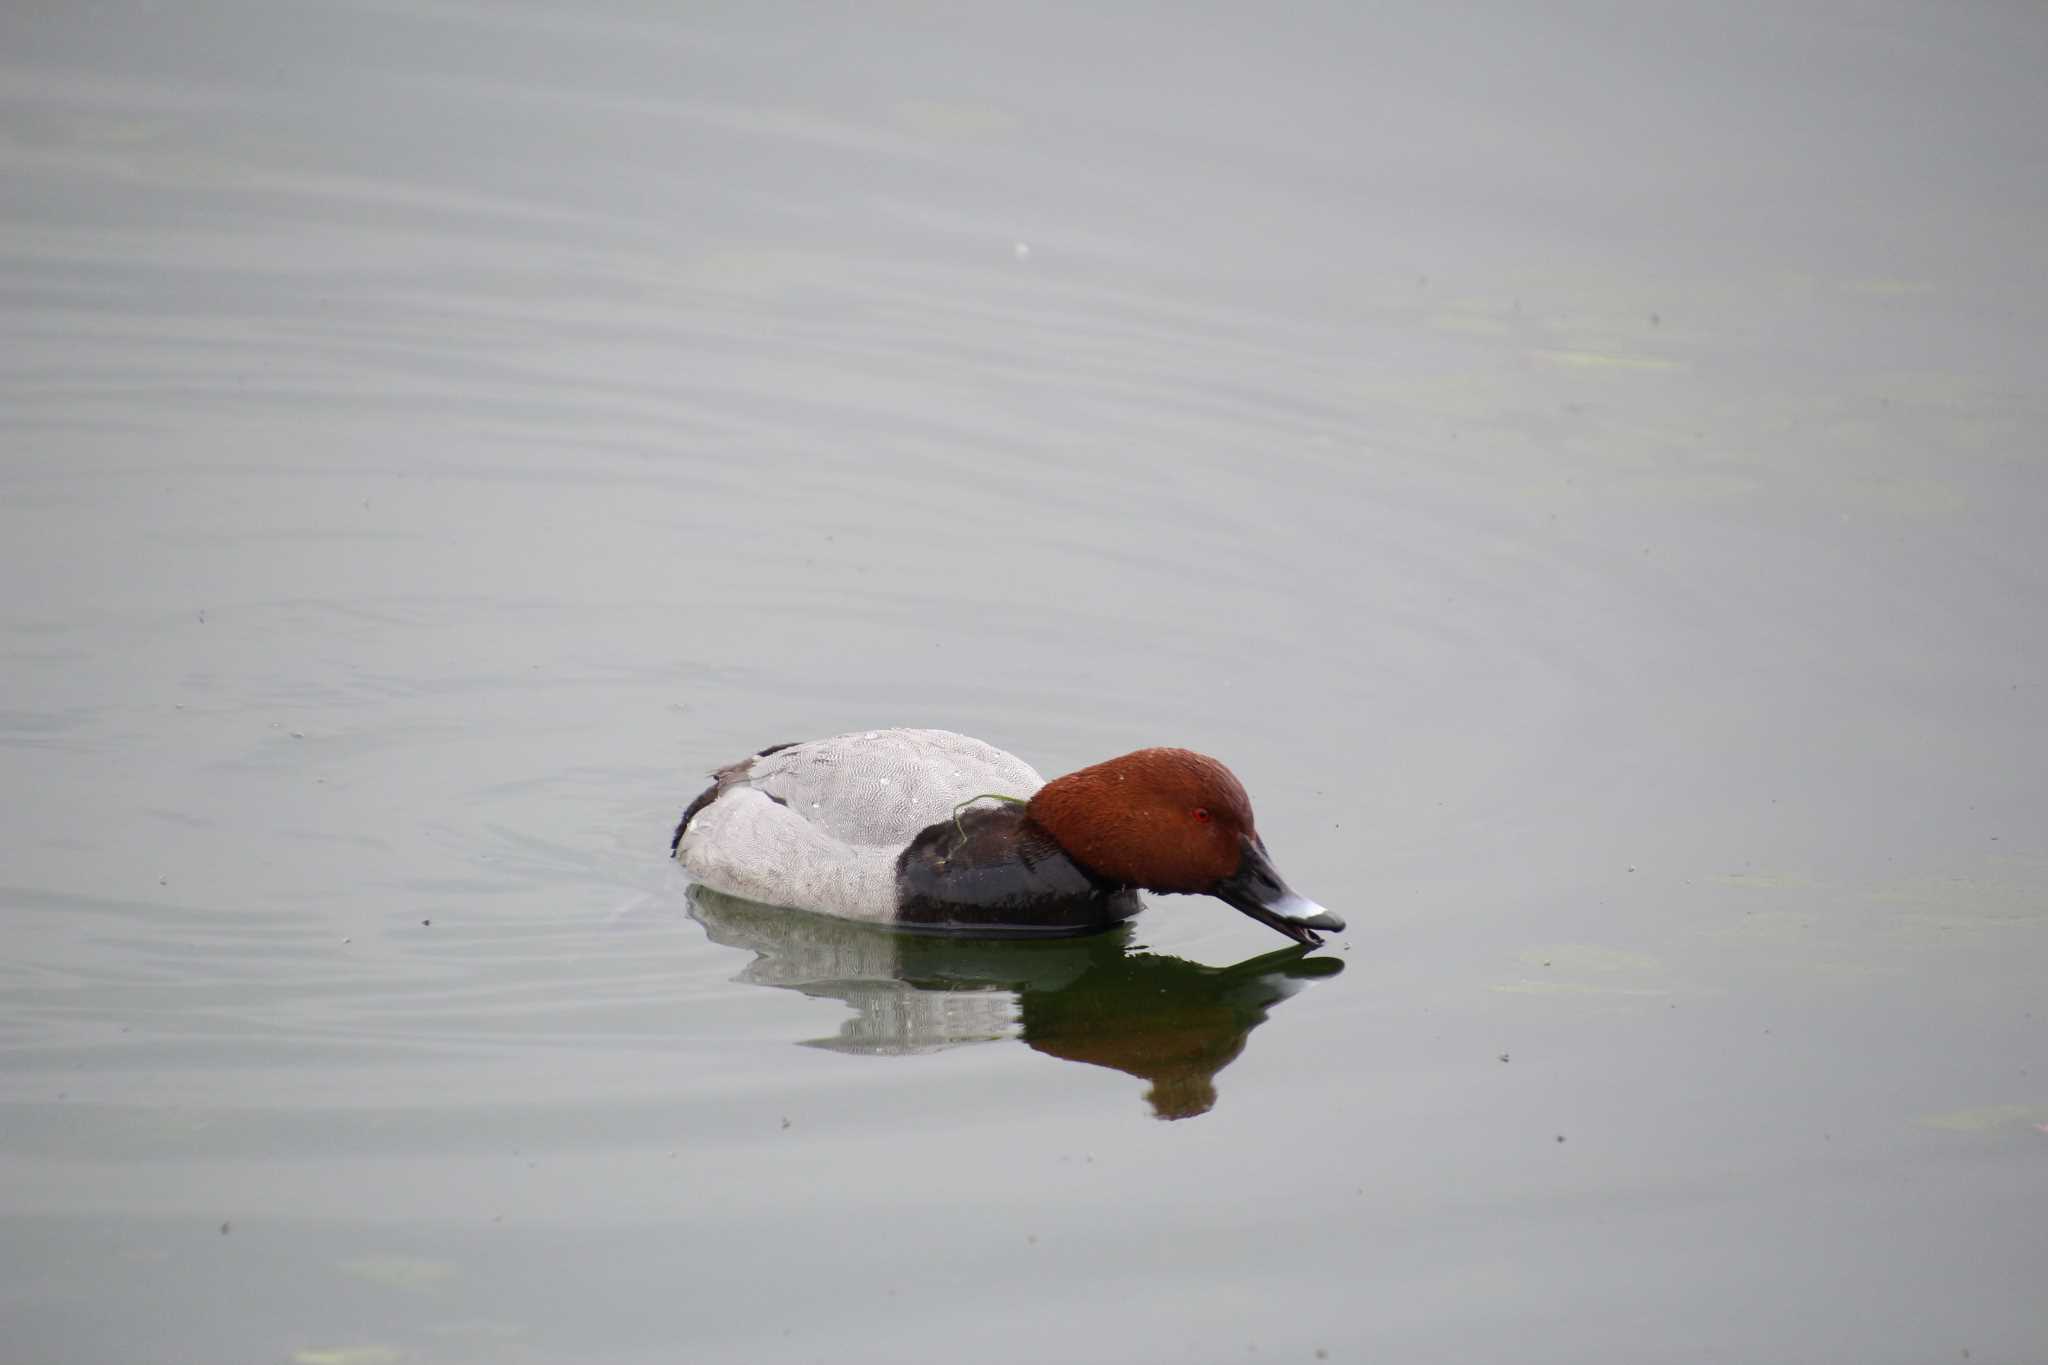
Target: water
[[1583, 471]]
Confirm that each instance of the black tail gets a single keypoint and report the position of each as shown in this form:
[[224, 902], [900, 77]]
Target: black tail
[[704, 799]]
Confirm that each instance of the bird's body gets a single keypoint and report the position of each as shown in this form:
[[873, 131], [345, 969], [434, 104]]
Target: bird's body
[[885, 826]]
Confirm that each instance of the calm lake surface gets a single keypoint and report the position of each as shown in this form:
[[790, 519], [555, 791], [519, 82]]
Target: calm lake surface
[[1584, 471]]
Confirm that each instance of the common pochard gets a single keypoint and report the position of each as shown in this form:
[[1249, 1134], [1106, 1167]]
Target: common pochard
[[891, 826]]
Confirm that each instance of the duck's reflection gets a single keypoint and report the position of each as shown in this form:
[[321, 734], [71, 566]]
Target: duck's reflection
[[1162, 1019]]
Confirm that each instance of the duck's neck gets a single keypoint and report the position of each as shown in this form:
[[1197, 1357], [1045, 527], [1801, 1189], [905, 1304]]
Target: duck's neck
[[1081, 813]]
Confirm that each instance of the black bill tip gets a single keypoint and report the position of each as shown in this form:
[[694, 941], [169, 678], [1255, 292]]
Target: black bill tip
[[1258, 890]]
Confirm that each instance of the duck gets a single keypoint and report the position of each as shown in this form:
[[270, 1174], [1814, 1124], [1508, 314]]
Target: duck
[[936, 832]]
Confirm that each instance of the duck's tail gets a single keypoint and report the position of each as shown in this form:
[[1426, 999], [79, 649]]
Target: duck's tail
[[720, 780]]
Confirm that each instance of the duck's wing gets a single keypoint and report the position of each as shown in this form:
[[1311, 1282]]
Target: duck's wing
[[878, 788], [746, 843]]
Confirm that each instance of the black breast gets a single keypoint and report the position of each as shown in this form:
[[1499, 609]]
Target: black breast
[[997, 872]]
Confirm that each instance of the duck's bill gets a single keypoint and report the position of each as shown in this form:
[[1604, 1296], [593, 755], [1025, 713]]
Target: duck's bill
[[1258, 890]]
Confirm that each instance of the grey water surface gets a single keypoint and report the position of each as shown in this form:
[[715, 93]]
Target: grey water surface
[[1581, 465]]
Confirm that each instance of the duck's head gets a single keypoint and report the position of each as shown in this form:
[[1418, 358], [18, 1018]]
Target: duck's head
[[1175, 821]]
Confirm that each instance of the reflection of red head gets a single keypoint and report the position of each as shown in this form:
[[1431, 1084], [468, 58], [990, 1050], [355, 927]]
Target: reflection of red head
[[1179, 1050]]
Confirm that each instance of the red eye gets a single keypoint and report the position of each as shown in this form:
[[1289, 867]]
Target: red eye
[[1202, 814]]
